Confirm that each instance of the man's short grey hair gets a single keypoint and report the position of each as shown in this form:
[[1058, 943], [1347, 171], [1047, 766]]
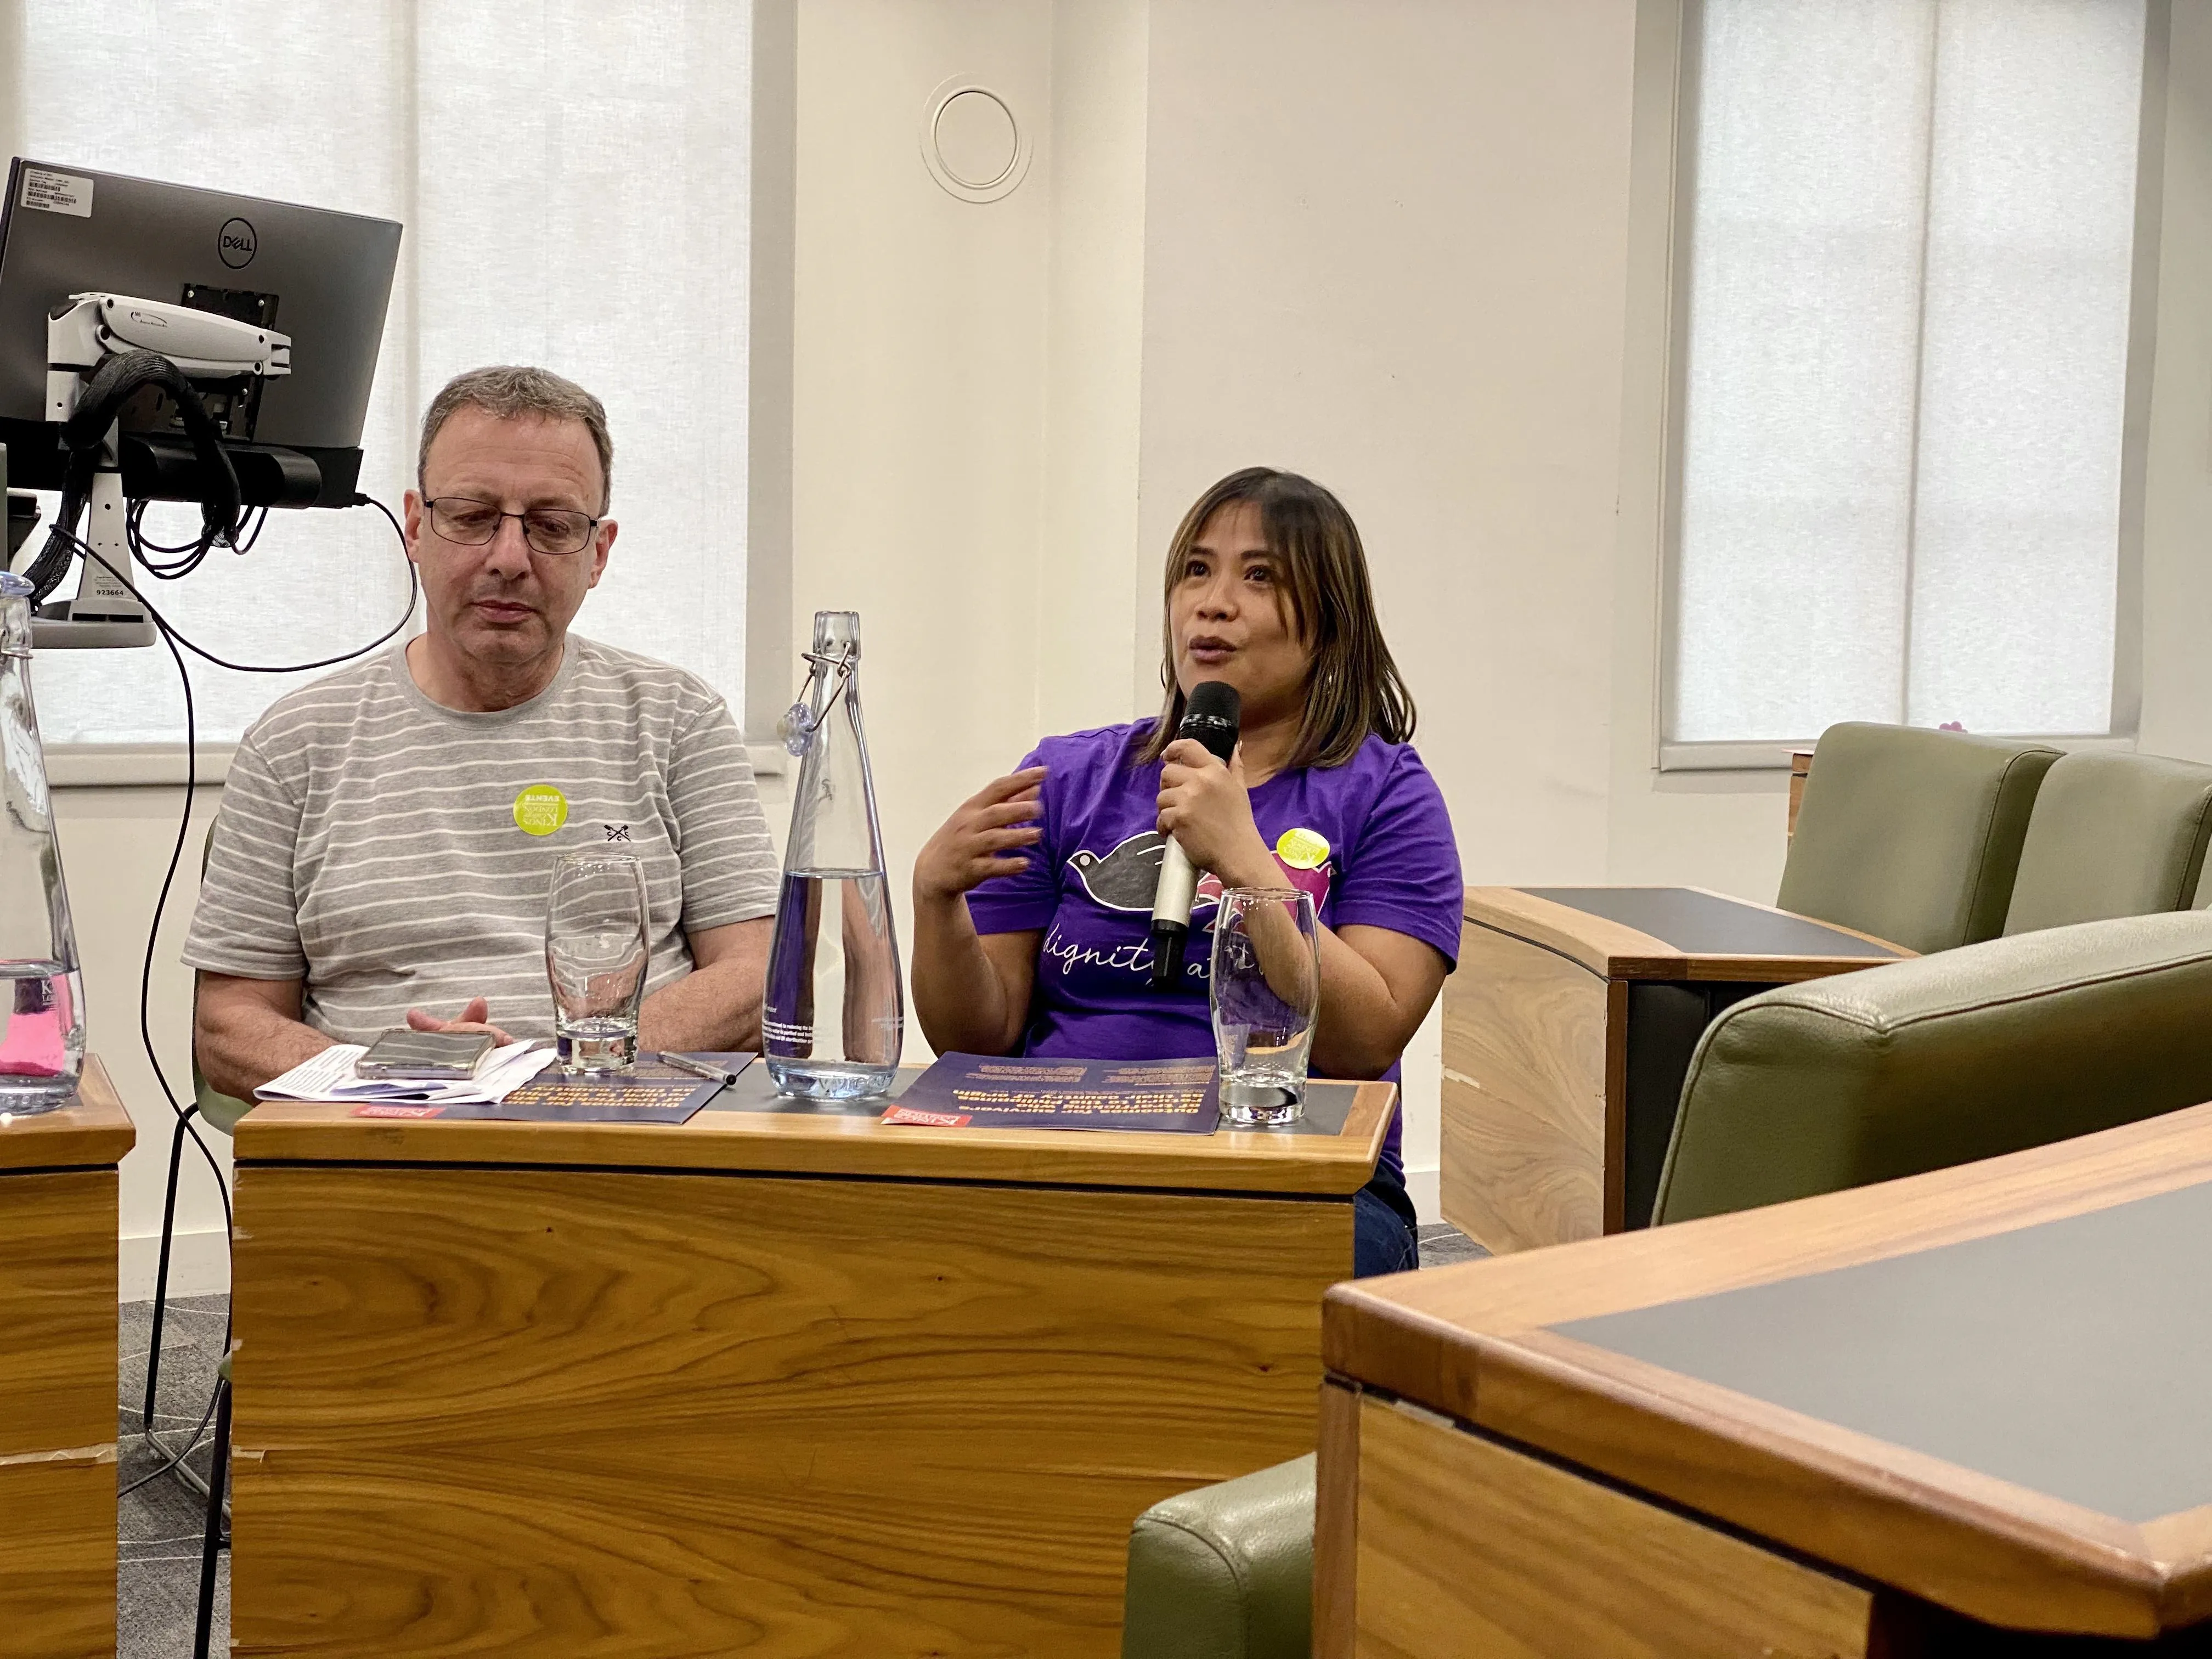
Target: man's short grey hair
[[507, 391]]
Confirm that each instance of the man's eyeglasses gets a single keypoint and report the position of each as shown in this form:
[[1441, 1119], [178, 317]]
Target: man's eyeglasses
[[547, 529]]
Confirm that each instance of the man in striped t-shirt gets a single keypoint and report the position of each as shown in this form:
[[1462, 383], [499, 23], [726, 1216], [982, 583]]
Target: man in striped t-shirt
[[387, 834]]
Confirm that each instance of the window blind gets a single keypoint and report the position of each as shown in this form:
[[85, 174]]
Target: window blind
[[574, 178], [1911, 226]]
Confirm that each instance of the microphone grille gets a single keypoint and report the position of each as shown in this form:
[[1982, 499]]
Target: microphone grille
[[1213, 700]]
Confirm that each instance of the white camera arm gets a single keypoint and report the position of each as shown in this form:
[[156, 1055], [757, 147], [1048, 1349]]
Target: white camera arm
[[83, 335], [93, 327]]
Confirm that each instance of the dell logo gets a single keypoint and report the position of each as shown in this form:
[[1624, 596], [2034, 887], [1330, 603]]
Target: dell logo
[[236, 242]]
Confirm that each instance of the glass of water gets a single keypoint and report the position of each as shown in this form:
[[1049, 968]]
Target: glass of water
[[1266, 992], [595, 957]]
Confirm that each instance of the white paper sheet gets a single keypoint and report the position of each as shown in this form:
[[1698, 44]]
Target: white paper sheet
[[330, 1075]]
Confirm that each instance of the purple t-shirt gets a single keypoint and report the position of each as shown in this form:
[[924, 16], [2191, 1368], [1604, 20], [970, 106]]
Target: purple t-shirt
[[1373, 844]]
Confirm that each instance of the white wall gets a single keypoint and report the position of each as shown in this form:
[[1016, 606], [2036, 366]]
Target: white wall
[[1417, 249], [1384, 247], [921, 340], [115, 846]]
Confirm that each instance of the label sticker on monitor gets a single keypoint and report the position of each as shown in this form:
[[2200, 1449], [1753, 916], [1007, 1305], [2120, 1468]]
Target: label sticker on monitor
[[57, 192]]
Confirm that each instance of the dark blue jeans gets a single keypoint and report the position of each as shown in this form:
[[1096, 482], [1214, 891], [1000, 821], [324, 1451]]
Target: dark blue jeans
[[1382, 1237]]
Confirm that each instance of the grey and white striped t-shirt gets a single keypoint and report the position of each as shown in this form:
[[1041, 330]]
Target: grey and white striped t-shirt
[[392, 853]]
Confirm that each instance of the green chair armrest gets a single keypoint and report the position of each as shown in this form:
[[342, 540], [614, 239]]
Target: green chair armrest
[[1922, 1064], [220, 1110], [1226, 1572]]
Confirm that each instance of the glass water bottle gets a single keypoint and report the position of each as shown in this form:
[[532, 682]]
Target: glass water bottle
[[41, 993], [835, 1012]]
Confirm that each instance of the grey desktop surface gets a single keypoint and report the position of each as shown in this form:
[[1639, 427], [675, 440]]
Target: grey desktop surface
[[1327, 1105], [1706, 925], [2071, 1357]]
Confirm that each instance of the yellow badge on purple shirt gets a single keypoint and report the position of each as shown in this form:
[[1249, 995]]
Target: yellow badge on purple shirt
[[1302, 850]]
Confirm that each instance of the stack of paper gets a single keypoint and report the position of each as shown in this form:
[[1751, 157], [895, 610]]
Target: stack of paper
[[330, 1075]]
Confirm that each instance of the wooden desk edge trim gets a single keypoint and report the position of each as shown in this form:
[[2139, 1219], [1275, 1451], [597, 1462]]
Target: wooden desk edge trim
[[858, 1177], [1628, 955], [2182, 1543], [1445, 1307], [94, 1132], [1593, 941], [1415, 1344], [1301, 1166], [1838, 1495]]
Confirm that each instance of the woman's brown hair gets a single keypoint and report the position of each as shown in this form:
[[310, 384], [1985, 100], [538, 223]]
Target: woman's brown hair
[[1353, 688]]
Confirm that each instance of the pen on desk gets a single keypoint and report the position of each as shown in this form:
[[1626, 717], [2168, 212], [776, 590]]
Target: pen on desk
[[698, 1068]]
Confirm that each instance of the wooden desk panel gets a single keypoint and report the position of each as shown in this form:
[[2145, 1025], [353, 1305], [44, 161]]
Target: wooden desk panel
[[1482, 1345], [1557, 1026], [1528, 1045], [1468, 1548], [529, 1409], [57, 1375]]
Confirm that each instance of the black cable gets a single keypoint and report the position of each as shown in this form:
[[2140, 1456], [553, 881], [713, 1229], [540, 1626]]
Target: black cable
[[169, 631], [171, 638], [84, 434], [194, 553]]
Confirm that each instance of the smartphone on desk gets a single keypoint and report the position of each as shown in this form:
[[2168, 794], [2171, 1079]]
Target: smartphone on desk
[[402, 1052]]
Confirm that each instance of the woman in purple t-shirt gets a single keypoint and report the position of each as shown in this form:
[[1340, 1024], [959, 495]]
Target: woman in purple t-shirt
[[1046, 952]]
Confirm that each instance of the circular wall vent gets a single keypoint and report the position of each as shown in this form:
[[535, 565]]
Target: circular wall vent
[[971, 142]]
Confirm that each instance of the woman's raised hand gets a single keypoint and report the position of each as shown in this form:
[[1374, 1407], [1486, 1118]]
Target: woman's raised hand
[[981, 839]]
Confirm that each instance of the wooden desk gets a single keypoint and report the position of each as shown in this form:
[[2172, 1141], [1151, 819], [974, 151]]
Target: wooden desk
[[1569, 1029], [58, 1232], [1919, 1417], [777, 1381]]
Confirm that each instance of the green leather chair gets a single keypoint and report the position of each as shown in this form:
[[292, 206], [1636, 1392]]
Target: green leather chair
[[1912, 836], [2113, 835], [1226, 1572], [1806, 1089], [1921, 1064]]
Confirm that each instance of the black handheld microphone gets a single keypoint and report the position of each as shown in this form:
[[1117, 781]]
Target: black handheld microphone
[[1211, 715]]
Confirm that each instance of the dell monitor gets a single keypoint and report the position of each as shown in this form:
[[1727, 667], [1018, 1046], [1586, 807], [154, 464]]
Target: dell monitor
[[321, 277]]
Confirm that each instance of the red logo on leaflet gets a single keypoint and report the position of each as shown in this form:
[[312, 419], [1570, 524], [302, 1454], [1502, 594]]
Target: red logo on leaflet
[[929, 1120]]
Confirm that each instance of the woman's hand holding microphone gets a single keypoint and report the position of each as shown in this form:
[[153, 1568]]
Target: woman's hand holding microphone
[[1206, 806]]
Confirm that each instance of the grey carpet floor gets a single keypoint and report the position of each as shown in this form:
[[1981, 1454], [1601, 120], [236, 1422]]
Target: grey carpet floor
[[159, 1580], [159, 1524]]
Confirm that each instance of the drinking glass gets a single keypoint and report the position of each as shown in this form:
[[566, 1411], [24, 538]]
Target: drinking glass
[[1266, 991], [595, 959]]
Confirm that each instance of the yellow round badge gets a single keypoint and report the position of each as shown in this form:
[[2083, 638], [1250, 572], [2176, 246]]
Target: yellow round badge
[[1302, 850], [540, 810]]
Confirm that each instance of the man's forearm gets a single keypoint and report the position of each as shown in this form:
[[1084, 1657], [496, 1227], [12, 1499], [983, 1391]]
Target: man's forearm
[[711, 1009], [247, 1047]]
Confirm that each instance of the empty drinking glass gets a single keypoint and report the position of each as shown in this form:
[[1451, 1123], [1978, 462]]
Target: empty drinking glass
[[596, 957], [1266, 991]]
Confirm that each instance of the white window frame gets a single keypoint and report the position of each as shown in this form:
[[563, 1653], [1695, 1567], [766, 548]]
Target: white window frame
[[1773, 755]]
